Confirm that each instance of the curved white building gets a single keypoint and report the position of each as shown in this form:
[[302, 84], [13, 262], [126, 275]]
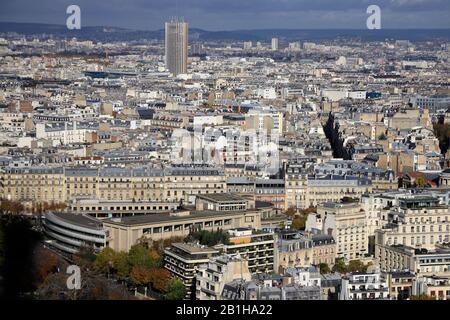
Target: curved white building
[[68, 232]]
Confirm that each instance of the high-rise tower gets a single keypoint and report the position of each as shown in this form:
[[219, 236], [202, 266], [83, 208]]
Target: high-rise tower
[[176, 46], [274, 44]]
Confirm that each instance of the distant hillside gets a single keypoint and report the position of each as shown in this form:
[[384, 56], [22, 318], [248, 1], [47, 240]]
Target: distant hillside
[[122, 34]]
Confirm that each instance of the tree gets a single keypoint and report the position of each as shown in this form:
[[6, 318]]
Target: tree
[[208, 238], [356, 266], [420, 182], [11, 207], [159, 245], [175, 290], [17, 246], [324, 268], [140, 256], [347, 199], [299, 223], [291, 211], [140, 275], [160, 278], [45, 263], [105, 261], [422, 297], [156, 257], [85, 257], [339, 266], [122, 265]]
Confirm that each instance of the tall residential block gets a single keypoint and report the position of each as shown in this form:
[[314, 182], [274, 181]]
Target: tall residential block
[[176, 47], [274, 44]]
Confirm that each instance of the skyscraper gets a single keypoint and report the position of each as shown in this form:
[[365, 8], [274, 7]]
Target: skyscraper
[[274, 44], [176, 46]]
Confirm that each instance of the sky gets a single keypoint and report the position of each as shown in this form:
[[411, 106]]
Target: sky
[[217, 15]]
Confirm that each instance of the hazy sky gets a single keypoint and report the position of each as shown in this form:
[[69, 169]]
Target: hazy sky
[[233, 14]]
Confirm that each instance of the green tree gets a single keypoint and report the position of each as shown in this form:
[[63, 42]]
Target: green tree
[[420, 182], [122, 265], [175, 290], [356, 266], [105, 261], [85, 257], [141, 256], [208, 238], [339, 266]]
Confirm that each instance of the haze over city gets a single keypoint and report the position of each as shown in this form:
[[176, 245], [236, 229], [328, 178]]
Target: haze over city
[[234, 14]]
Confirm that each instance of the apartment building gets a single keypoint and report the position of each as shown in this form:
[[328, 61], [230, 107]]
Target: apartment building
[[437, 287], [59, 184], [364, 286], [420, 261], [419, 221], [257, 247], [212, 276], [182, 260], [400, 284], [304, 191], [346, 223], [295, 249]]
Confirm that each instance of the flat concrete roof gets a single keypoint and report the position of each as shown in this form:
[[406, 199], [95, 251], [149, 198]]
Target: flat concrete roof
[[192, 248], [167, 217], [221, 197], [78, 219]]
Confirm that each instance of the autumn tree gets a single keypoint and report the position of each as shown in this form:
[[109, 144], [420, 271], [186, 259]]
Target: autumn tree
[[11, 207], [160, 279], [140, 275], [45, 263], [324, 268], [291, 211], [356, 266], [422, 297], [105, 260], [299, 223]]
